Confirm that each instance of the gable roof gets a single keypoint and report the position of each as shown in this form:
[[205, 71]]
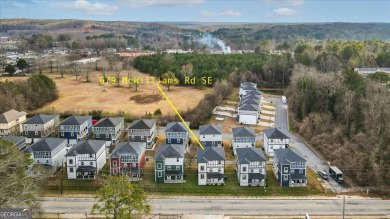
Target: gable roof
[[251, 101], [109, 122], [250, 96], [14, 139], [247, 155], [275, 133], [169, 151], [248, 107], [210, 153], [246, 84], [243, 132], [47, 144], [86, 147], [142, 124], [136, 148], [176, 127], [287, 156], [40, 119], [11, 115], [75, 120], [255, 92], [210, 129]]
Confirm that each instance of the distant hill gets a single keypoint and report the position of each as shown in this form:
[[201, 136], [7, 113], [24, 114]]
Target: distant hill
[[172, 34]]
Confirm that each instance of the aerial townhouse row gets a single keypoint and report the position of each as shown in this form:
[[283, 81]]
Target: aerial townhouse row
[[250, 103]]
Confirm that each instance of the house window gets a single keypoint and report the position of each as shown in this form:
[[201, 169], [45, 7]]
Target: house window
[[244, 177], [26, 133], [201, 168], [72, 134], [213, 143], [114, 163], [169, 140], [70, 161], [107, 135], [177, 159], [301, 171], [97, 136], [159, 166], [159, 174], [219, 170], [271, 140], [292, 171], [244, 169], [178, 140], [62, 134], [285, 170], [219, 162], [202, 176], [114, 171], [204, 136], [177, 167], [36, 132], [47, 161], [272, 147], [132, 137], [168, 167], [131, 131], [91, 163], [252, 170], [142, 137], [90, 155], [82, 163], [285, 177], [37, 161], [71, 170]]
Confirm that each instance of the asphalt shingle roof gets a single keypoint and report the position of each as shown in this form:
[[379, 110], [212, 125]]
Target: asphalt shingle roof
[[13, 139], [247, 155], [11, 115], [169, 151], [136, 148], [248, 107], [243, 132], [210, 153], [250, 96], [40, 119], [250, 101], [47, 144], [75, 120], [246, 84], [255, 92], [109, 122], [275, 133], [86, 147], [287, 156], [176, 127], [210, 129], [142, 124]]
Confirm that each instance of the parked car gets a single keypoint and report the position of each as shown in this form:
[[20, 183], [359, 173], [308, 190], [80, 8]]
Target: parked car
[[323, 174]]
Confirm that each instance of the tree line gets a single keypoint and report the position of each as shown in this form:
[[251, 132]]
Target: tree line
[[30, 94], [345, 117]]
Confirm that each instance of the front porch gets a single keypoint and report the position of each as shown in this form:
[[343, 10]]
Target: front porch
[[173, 176], [86, 172], [215, 179]]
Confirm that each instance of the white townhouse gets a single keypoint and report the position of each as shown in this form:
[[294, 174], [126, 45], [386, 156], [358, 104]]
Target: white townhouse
[[274, 139], [210, 135], [211, 166], [246, 87], [250, 166], [10, 122], [109, 129], [248, 114], [85, 159], [39, 126], [243, 137]]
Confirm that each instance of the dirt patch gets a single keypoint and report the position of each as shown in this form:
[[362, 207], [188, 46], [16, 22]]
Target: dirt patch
[[145, 99]]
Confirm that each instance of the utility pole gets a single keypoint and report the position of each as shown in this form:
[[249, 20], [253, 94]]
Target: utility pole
[[343, 207]]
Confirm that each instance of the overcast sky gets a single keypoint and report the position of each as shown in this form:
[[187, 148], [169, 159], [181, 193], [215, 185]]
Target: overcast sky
[[201, 10]]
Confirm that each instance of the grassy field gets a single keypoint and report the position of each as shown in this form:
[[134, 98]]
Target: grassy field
[[80, 96]]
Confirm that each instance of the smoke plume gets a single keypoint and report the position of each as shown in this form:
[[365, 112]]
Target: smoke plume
[[214, 43]]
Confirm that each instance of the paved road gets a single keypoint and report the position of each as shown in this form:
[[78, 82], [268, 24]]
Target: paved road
[[206, 206], [313, 159]]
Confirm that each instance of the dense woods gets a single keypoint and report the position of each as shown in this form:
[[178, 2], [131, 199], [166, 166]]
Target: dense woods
[[27, 95], [346, 118], [259, 68]]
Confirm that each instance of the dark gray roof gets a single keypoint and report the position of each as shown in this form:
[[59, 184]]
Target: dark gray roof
[[275, 133], [169, 151], [256, 176], [13, 139], [287, 156], [176, 127], [248, 88], [250, 101], [210, 153], [248, 107], [246, 84], [142, 124], [11, 115], [213, 175], [243, 132], [86, 147], [75, 120], [47, 144], [250, 96], [136, 148], [109, 122], [255, 92], [210, 129], [247, 155], [86, 169], [40, 119], [297, 175]]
